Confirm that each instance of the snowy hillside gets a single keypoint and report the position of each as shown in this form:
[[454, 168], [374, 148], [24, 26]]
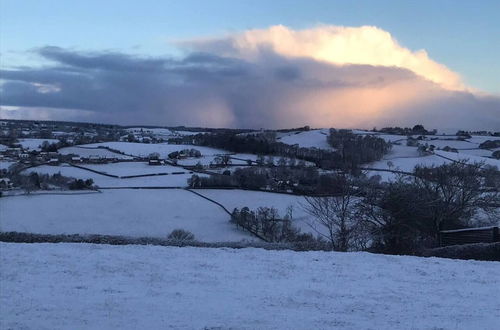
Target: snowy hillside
[[144, 150], [95, 152], [121, 169], [84, 286], [235, 198], [306, 139], [126, 212], [34, 144]]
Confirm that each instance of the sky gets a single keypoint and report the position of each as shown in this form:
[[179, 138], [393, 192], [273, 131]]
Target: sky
[[292, 62]]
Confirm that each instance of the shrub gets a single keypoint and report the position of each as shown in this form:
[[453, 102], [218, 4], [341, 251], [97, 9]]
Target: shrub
[[79, 184], [490, 144], [181, 235], [478, 251]]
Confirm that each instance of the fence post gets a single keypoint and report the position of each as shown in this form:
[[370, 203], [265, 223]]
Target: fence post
[[496, 236]]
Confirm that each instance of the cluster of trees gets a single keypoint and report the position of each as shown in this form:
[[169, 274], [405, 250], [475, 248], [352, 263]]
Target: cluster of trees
[[353, 149], [415, 130], [35, 181], [247, 143], [304, 180], [79, 184], [185, 153], [181, 235], [490, 144], [405, 216], [357, 149], [266, 223], [467, 134]]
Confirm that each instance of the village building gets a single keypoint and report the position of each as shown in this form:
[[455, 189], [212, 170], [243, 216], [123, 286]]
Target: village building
[[5, 184], [155, 162]]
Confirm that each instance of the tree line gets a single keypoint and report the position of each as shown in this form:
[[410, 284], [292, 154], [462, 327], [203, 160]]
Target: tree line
[[350, 150], [403, 216]]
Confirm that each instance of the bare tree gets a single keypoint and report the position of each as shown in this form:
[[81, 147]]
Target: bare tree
[[407, 215], [334, 217], [222, 160], [454, 193]]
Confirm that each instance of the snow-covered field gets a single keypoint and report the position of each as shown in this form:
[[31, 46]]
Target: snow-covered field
[[5, 164], [306, 139], [145, 149], [236, 159], [469, 158], [480, 138], [84, 286], [405, 158], [477, 152], [457, 144], [233, 198], [34, 144], [160, 132], [171, 180], [405, 164], [401, 151], [97, 152], [137, 213], [132, 168]]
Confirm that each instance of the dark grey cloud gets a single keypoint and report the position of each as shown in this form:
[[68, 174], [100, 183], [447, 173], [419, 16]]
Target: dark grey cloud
[[204, 89]]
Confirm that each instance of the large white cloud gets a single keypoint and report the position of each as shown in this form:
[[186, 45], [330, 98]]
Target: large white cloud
[[333, 44]]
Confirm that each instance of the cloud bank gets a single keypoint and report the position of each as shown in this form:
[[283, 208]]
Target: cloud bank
[[273, 78], [332, 44]]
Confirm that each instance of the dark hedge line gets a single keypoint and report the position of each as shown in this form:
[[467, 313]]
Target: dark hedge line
[[478, 251], [16, 237]]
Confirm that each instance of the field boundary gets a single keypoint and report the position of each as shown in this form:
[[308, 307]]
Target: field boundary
[[19, 237]]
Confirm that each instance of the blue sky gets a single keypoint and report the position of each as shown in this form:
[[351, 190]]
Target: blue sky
[[463, 35]]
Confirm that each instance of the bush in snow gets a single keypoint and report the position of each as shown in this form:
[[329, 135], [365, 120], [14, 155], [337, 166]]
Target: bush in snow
[[181, 235], [478, 251]]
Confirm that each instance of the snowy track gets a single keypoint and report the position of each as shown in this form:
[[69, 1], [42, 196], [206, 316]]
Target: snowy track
[[84, 286]]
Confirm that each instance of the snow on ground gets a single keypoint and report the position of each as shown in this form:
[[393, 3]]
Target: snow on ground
[[469, 158], [393, 138], [477, 152], [171, 180], [3, 147], [145, 149], [188, 132], [405, 164], [405, 159], [481, 138], [233, 198], [165, 132], [306, 139], [401, 151], [157, 131], [85, 286], [457, 144], [126, 212], [132, 168], [34, 144], [5, 164], [207, 160], [86, 152]]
